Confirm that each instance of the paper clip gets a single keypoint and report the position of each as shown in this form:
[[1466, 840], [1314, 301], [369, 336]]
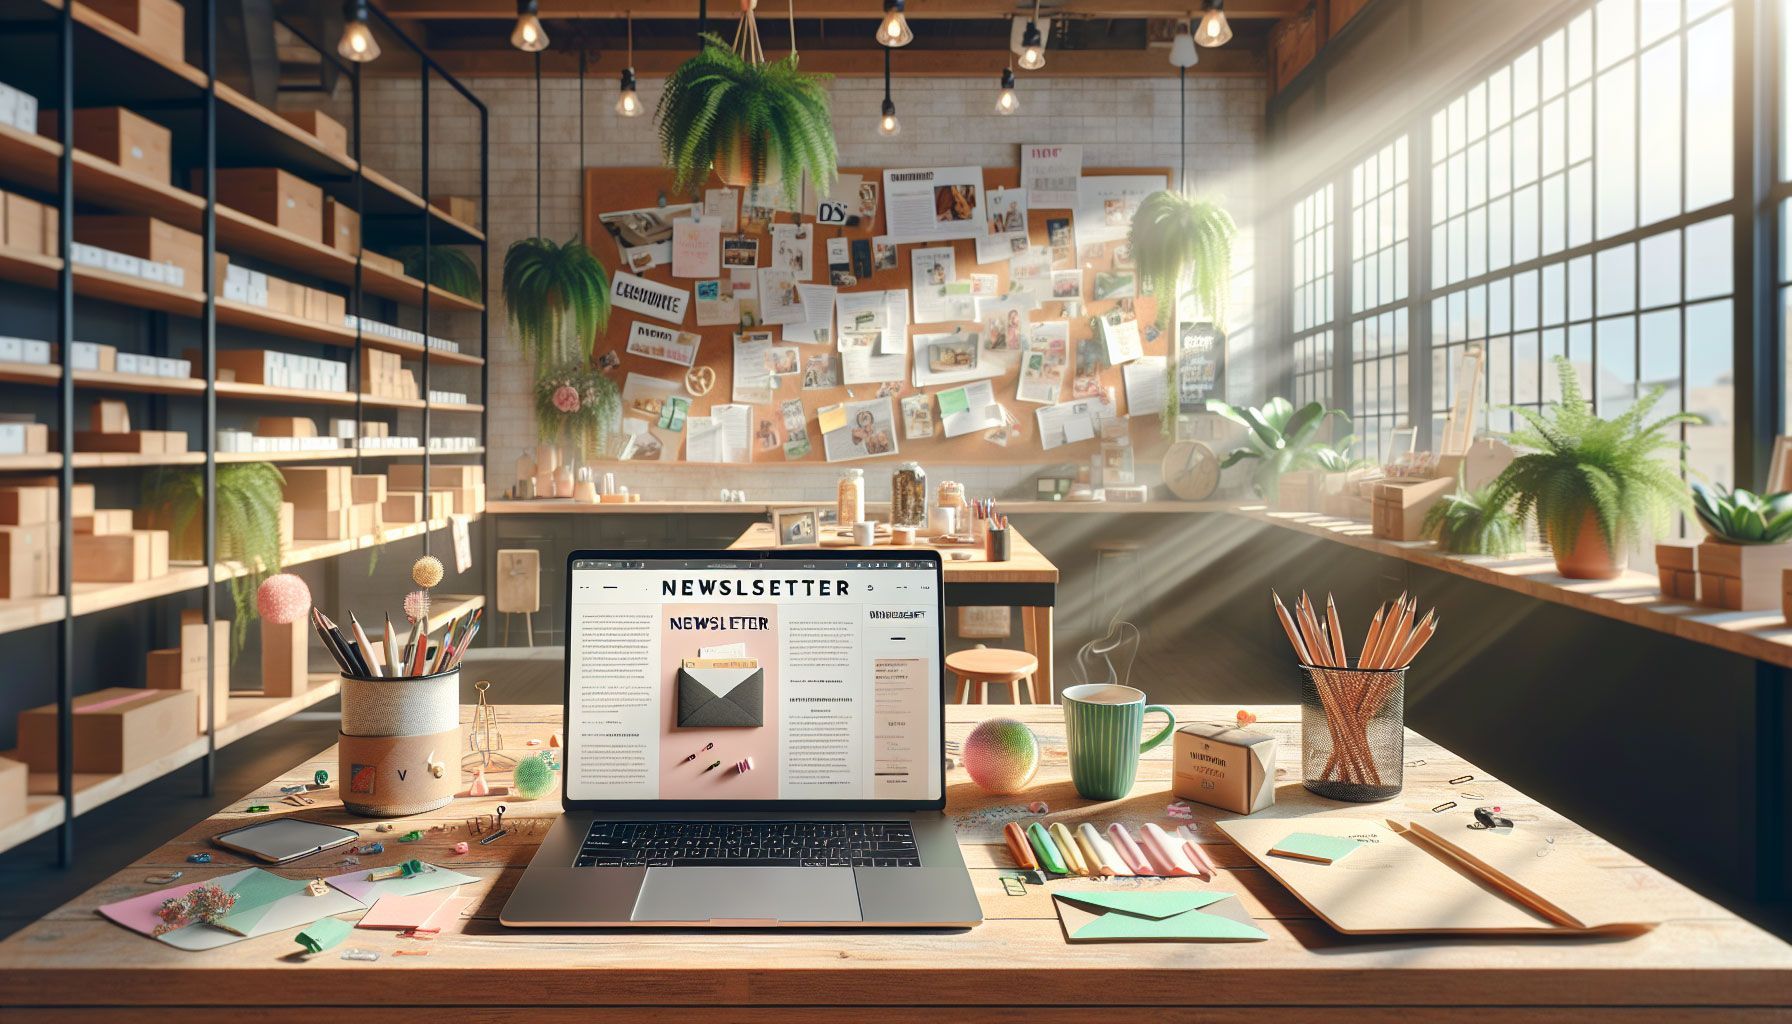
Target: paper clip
[[1460, 779], [356, 953], [297, 800], [1440, 808], [1014, 886], [169, 878]]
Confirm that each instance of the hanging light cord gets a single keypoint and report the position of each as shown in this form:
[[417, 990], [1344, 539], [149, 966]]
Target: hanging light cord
[[886, 74], [538, 143], [581, 164], [1182, 123]]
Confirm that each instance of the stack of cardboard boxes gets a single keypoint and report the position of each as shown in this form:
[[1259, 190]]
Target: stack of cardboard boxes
[[255, 288], [110, 430], [383, 375], [184, 668], [454, 490], [30, 548], [326, 504]]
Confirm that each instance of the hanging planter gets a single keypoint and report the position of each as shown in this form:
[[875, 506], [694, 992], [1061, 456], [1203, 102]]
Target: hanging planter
[[751, 121], [1173, 239], [557, 298]]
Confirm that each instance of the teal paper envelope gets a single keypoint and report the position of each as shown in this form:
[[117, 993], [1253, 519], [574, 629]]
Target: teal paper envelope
[[1134, 915]]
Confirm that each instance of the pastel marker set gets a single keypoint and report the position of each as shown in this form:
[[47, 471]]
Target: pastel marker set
[[1089, 852]]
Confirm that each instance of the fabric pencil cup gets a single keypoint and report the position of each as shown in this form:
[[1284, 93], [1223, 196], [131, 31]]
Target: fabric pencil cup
[[400, 744], [1102, 726]]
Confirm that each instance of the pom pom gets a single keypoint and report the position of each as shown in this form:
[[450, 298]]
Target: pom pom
[[282, 599], [533, 778], [1001, 755], [566, 398], [460, 847], [427, 572], [416, 605], [1246, 719]]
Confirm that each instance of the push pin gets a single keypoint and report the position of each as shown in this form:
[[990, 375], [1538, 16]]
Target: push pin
[[320, 778], [461, 847], [199, 858], [410, 837], [743, 766], [371, 848], [384, 826]]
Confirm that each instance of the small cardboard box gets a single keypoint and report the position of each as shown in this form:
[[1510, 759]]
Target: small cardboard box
[[1226, 767], [315, 523], [24, 438], [116, 729], [342, 227], [120, 557], [408, 476], [1742, 577], [133, 142], [105, 521], [282, 199], [29, 505], [147, 238], [329, 131], [90, 356], [286, 426], [109, 416], [1400, 505], [23, 223], [1299, 491], [363, 519], [13, 779], [30, 563], [379, 262], [318, 487], [161, 25], [141, 442], [183, 667], [368, 487], [462, 208], [402, 506], [1676, 562]]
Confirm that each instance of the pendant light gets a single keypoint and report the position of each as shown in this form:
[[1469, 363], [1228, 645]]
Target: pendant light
[[1032, 43], [1182, 48], [1215, 30], [628, 104], [894, 31], [528, 35], [887, 124], [357, 42], [1007, 104]]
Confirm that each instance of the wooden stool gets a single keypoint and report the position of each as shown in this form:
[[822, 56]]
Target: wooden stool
[[519, 588], [984, 665]]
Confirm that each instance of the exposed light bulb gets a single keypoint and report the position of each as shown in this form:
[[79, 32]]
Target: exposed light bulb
[[1215, 30], [887, 124], [629, 103], [357, 43], [1182, 49], [1007, 103], [894, 30], [1032, 52], [528, 36]]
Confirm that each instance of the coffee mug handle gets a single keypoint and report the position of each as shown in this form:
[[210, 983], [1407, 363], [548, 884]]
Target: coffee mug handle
[[1162, 735]]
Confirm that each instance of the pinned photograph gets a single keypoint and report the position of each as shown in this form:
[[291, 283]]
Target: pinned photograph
[[954, 204], [952, 353], [917, 417], [823, 371], [1067, 284], [1112, 284], [740, 251]]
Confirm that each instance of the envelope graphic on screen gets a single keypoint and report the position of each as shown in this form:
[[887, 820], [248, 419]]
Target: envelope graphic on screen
[[720, 697]]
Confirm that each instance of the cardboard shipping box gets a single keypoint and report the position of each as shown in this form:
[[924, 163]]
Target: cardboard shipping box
[[284, 200], [120, 557], [132, 141], [147, 238], [29, 505], [140, 442], [285, 426], [368, 487], [23, 223], [342, 227], [1399, 506], [462, 208], [184, 667], [1223, 766], [318, 487], [30, 561], [408, 476], [14, 776], [311, 522], [326, 129], [107, 521], [161, 25], [116, 729], [1676, 563]]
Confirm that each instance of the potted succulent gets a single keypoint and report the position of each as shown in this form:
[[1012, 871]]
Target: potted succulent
[[557, 297], [1280, 438], [1592, 485], [1745, 550], [1175, 239], [249, 496], [1469, 522], [749, 119]]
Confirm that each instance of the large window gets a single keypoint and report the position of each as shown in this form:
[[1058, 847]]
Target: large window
[[1311, 305], [1379, 248]]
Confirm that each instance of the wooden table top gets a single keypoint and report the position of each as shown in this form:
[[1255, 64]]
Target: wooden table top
[[1025, 563], [1701, 956]]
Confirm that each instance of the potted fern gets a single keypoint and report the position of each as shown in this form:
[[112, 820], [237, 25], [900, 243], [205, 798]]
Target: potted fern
[[249, 496], [1745, 549], [1279, 439], [450, 269], [1471, 522], [751, 120], [1592, 485], [1175, 238], [557, 297]]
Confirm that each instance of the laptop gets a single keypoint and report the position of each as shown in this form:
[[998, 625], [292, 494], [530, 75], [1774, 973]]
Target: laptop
[[753, 739]]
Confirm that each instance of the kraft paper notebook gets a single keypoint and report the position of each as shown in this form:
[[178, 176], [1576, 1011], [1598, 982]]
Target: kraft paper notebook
[[1440, 877]]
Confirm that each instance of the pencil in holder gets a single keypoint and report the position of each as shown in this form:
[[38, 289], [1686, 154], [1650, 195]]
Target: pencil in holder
[[399, 746], [1353, 732], [995, 544]]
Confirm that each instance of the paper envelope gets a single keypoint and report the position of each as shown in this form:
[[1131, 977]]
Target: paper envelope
[[265, 903], [1134, 915], [720, 697]]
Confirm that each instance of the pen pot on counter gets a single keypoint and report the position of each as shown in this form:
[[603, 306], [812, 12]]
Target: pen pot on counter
[[1353, 732], [995, 544], [400, 744]]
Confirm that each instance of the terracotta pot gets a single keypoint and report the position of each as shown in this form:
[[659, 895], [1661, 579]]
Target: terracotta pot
[[1591, 558], [734, 166]]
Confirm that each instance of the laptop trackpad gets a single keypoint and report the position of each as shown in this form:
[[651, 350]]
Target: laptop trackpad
[[748, 895]]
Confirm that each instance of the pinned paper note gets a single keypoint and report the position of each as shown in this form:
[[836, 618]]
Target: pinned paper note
[[831, 418]]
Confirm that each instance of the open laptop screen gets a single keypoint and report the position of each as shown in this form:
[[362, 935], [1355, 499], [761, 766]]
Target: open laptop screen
[[764, 677]]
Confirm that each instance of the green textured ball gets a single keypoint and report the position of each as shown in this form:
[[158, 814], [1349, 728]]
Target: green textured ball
[[533, 777]]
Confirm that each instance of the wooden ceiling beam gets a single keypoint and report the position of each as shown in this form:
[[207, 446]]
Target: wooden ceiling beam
[[919, 11], [1154, 63]]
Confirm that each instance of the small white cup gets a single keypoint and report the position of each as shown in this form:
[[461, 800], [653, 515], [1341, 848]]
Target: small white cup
[[948, 519], [864, 533]]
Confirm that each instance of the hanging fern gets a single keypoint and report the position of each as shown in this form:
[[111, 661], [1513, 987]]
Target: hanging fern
[[577, 404], [450, 269], [719, 108], [558, 300], [1578, 463], [1176, 238], [248, 498]]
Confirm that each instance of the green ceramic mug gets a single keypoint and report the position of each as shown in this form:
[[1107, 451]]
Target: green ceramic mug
[[1103, 723]]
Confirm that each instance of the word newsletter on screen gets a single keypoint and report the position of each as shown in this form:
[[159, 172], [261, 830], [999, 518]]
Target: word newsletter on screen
[[757, 682]]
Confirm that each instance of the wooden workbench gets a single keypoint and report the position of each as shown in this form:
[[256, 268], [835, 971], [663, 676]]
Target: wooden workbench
[[1014, 967], [1027, 580]]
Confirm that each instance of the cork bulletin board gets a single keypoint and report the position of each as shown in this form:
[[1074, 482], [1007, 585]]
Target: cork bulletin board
[[610, 190]]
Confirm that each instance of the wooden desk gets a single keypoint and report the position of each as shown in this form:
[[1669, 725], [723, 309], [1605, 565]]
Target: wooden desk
[[1016, 966], [1027, 580]]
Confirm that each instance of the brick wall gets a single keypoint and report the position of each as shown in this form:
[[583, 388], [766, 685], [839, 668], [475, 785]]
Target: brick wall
[[945, 121]]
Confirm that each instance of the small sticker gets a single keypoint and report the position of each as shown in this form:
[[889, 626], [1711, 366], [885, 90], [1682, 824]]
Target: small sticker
[[361, 776]]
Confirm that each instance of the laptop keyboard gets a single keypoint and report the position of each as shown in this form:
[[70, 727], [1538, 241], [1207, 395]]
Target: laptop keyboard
[[808, 844]]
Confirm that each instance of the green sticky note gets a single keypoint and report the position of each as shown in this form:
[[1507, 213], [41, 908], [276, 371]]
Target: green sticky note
[[954, 401], [256, 894], [324, 933], [1314, 847]]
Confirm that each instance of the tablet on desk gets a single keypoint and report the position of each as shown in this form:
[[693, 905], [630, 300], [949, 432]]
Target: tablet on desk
[[285, 839]]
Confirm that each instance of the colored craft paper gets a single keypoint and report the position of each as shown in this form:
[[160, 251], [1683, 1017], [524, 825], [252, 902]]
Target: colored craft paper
[[1141, 915], [322, 935], [262, 907], [1314, 847], [355, 884], [831, 418], [400, 911]]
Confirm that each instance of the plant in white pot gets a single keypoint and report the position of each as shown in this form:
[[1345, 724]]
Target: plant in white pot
[[1592, 485], [1741, 560]]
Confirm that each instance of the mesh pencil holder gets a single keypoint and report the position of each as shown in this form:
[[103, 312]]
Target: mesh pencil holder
[[399, 746], [1353, 732]]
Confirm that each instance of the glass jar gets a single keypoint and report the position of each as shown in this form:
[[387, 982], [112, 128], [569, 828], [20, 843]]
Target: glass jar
[[951, 496], [908, 495], [1353, 732], [851, 497]]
